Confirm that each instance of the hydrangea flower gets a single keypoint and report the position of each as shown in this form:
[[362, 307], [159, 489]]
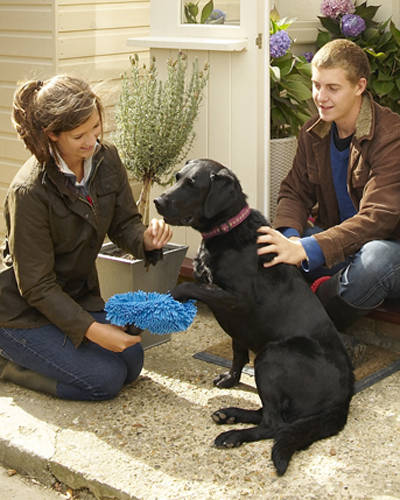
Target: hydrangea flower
[[217, 16], [352, 25], [335, 8], [308, 56], [279, 44]]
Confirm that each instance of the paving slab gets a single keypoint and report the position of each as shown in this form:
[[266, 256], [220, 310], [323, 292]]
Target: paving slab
[[154, 441]]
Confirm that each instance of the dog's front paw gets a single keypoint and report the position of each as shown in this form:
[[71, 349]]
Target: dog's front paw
[[182, 292], [229, 439], [227, 380], [224, 416]]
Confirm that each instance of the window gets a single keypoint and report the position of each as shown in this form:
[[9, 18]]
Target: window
[[217, 12]]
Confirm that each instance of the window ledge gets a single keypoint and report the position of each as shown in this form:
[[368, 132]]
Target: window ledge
[[190, 43]]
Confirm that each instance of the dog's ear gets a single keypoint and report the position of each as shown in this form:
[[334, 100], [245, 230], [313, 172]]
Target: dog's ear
[[221, 192]]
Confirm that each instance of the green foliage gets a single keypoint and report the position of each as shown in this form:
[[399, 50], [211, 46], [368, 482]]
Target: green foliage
[[290, 87], [155, 120], [191, 10], [381, 42]]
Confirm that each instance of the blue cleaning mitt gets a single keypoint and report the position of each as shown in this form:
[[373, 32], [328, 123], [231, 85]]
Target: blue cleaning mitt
[[159, 313]]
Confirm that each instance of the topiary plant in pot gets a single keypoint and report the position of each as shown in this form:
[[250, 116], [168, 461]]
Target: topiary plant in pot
[[155, 120]]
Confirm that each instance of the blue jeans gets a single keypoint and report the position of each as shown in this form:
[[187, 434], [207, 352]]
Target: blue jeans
[[88, 372], [369, 276]]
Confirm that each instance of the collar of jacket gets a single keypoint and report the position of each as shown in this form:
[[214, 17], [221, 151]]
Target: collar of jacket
[[59, 179], [364, 126]]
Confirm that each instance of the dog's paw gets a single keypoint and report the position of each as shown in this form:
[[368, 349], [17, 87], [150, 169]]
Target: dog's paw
[[182, 292], [224, 416], [226, 380], [229, 439]]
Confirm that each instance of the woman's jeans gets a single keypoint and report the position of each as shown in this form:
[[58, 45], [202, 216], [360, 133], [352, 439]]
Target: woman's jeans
[[88, 372], [369, 276]]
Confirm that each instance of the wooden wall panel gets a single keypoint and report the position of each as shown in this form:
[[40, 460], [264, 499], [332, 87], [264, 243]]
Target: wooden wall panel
[[23, 17], [40, 38], [30, 45], [103, 16], [79, 44]]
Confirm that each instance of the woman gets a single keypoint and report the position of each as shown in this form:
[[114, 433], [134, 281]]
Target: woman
[[60, 206]]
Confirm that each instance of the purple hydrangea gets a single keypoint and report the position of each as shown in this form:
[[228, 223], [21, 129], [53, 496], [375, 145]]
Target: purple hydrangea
[[308, 56], [352, 25], [279, 44], [335, 8], [217, 16]]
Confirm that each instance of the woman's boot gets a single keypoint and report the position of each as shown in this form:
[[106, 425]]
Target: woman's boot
[[11, 372]]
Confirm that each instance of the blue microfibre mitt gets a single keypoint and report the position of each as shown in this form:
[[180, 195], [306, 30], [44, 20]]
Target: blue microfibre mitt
[[157, 312]]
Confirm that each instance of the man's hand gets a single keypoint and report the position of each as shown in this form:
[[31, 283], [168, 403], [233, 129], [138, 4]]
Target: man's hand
[[157, 235], [111, 337], [288, 251]]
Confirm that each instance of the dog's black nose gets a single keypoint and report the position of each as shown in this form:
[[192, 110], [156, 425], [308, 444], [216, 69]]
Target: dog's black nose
[[159, 203]]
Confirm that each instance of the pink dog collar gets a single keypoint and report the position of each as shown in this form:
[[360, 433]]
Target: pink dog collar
[[229, 225]]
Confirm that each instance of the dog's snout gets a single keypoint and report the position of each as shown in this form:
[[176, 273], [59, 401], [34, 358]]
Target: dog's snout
[[162, 204], [158, 202]]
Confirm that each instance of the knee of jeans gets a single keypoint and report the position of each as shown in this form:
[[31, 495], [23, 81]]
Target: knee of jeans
[[134, 360], [110, 381], [379, 254]]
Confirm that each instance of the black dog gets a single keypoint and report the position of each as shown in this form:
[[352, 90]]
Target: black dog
[[302, 371]]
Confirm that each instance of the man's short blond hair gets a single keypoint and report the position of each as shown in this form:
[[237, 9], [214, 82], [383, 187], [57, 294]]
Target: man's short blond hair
[[345, 54]]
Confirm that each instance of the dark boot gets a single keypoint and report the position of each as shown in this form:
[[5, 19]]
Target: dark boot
[[341, 312], [12, 372], [343, 315]]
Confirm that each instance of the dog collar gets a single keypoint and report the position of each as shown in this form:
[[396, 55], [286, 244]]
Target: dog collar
[[228, 225]]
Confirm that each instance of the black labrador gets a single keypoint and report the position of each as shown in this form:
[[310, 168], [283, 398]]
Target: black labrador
[[303, 374]]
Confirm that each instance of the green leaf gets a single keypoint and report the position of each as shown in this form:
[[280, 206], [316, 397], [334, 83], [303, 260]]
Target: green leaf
[[323, 38], [371, 34], [331, 25], [367, 13], [384, 77], [395, 33], [275, 73], [206, 12], [382, 88], [297, 87]]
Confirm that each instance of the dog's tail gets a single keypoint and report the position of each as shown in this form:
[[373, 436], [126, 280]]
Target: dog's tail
[[300, 434]]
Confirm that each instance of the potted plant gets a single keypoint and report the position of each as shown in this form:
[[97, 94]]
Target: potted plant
[[154, 133], [379, 40], [208, 15], [290, 97]]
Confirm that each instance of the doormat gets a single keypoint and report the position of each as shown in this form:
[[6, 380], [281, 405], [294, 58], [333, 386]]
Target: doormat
[[378, 363]]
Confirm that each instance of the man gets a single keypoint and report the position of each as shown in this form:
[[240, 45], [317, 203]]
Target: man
[[346, 175]]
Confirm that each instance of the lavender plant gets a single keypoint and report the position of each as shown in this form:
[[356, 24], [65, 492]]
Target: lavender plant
[[155, 121], [380, 41]]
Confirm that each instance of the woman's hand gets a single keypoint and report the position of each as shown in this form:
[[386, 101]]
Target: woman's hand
[[157, 235], [111, 337], [288, 251]]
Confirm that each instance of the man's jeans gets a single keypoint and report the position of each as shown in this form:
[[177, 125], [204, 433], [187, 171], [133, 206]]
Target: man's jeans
[[369, 276], [88, 372]]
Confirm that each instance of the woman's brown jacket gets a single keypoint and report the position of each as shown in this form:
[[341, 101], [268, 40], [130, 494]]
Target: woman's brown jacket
[[54, 235]]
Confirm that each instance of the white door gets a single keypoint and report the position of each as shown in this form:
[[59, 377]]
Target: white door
[[233, 126]]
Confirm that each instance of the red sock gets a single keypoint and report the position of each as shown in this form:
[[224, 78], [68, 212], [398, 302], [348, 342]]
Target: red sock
[[314, 286]]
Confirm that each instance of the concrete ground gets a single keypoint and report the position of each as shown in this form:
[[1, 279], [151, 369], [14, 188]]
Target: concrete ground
[[13, 486], [154, 441]]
